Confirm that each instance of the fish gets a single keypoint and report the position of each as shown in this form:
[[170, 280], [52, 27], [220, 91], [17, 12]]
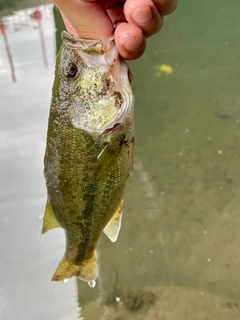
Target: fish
[[89, 150]]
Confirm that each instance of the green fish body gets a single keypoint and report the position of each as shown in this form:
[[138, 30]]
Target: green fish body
[[89, 151]]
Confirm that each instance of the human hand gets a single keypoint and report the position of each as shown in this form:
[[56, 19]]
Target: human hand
[[133, 21]]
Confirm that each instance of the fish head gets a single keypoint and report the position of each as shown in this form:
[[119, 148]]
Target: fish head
[[92, 85]]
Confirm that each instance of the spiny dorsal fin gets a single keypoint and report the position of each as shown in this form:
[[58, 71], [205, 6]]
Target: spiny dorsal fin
[[114, 225], [49, 221]]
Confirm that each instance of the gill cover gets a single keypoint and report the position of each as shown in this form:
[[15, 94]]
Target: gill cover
[[104, 97]]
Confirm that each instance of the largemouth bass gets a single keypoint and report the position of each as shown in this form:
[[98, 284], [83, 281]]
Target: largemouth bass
[[89, 151]]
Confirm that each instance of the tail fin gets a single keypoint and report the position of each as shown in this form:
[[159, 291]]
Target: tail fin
[[87, 270]]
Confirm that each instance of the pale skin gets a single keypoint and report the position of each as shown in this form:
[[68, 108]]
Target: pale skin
[[132, 21]]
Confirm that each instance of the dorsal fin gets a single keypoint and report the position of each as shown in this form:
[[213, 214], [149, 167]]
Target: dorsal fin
[[49, 221]]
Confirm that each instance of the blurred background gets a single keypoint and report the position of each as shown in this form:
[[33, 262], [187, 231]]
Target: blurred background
[[177, 256]]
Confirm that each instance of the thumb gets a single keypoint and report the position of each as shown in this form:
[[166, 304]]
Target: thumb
[[85, 18]]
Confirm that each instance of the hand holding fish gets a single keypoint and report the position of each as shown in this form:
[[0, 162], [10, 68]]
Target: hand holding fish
[[133, 21]]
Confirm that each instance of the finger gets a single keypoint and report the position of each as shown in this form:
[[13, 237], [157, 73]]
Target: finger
[[143, 14], [165, 7], [130, 41], [115, 13], [88, 18]]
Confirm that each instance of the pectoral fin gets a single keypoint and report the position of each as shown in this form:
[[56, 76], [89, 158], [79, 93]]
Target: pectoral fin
[[114, 225], [49, 221]]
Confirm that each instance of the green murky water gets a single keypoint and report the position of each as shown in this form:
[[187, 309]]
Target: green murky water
[[181, 212]]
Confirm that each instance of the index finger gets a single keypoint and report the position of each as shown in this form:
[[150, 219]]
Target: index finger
[[85, 18]]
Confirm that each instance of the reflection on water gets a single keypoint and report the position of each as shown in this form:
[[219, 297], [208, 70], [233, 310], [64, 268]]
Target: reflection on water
[[177, 256], [3, 29]]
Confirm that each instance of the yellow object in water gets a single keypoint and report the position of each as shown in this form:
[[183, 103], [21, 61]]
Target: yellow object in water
[[165, 68]]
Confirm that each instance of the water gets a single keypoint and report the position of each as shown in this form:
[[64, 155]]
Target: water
[[179, 241], [92, 283]]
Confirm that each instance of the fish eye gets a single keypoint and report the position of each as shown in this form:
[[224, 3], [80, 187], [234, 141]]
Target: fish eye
[[72, 70]]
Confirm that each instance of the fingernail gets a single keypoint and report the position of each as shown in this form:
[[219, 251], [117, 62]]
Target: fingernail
[[133, 44], [143, 16]]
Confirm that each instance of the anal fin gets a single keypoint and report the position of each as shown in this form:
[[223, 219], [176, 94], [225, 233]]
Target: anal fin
[[49, 221], [114, 225]]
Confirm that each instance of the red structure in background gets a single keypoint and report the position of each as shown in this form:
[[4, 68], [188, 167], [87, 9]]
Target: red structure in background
[[37, 15], [3, 29]]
